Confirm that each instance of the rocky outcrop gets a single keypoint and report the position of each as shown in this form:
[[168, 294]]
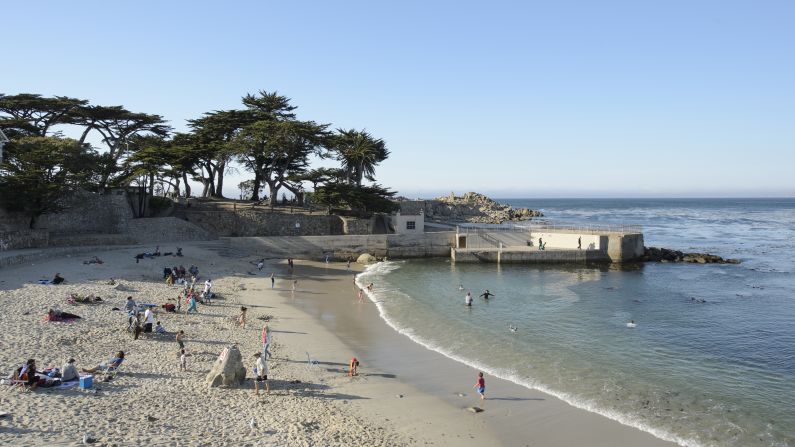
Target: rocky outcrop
[[365, 258], [654, 254], [470, 207], [228, 370]]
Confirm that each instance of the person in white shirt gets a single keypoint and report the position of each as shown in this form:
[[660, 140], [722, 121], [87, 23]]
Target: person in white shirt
[[468, 299], [149, 319], [69, 371], [261, 372], [208, 287]]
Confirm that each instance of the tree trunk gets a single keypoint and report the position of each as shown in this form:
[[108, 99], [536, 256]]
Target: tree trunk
[[219, 189], [187, 185], [256, 184], [273, 187]]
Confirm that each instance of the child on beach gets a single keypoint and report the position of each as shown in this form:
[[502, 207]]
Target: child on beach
[[241, 320], [261, 374], [480, 385], [361, 295], [183, 361], [353, 367]]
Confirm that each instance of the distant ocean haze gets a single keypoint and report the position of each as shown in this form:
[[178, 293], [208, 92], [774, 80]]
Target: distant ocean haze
[[712, 359]]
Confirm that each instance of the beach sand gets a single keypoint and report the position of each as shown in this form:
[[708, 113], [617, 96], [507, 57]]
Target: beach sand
[[404, 394]]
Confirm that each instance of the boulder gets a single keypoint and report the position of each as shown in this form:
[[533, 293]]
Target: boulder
[[654, 254], [228, 370], [365, 258]]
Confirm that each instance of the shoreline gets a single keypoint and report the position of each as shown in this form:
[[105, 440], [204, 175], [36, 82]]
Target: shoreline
[[405, 394], [523, 413]]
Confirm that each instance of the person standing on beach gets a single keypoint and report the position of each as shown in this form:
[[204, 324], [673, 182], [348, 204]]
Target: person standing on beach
[[540, 244], [348, 266], [180, 342], [208, 287], [468, 299], [261, 373], [260, 264], [273, 280], [266, 342], [361, 295], [149, 319], [295, 284], [480, 385], [579, 243], [183, 360]]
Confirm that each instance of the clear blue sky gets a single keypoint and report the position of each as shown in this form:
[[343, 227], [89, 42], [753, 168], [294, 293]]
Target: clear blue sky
[[515, 99]]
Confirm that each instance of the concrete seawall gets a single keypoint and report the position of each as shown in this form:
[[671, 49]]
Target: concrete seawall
[[342, 247]]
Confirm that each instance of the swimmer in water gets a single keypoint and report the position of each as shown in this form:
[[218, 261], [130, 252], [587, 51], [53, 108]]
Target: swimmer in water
[[486, 294], [631, 324], [512, 328], [460, 287], [468, 299]]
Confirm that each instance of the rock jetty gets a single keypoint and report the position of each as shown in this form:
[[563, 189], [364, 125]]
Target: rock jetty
[[470, 207], [654, 254]]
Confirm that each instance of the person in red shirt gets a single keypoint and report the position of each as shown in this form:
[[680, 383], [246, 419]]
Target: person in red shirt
[[480, 385]]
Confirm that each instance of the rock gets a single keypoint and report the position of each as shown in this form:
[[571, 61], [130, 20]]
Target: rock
[[365, 258], [654, 254], [228, 370], [475, 409], [151, 418], [471, 207]]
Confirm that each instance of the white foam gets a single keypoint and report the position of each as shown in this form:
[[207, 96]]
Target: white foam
[[382, 268]]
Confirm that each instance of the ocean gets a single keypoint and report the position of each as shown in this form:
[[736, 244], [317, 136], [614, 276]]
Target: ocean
[[711, 361]]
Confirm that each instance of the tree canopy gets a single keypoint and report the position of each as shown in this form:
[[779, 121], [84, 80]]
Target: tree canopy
[[263, 137]]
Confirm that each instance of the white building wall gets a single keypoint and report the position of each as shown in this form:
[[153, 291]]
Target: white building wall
[[565, 240], [401, 223]]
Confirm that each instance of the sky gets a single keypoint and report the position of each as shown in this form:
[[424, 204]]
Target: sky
[[512, 99]]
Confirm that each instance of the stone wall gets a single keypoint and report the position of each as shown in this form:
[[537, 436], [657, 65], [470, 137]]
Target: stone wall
[[14, 240], [88, 212], [351, 225], [165, 229], [248, 223]]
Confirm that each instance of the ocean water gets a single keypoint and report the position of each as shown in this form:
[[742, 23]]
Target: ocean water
[[711, 361]]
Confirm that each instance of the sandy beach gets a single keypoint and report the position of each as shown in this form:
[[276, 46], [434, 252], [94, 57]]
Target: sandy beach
[[404, 394]]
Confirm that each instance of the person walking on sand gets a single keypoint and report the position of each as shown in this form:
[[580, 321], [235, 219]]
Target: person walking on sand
[[354, 366], [208, 290], [183, 360], [540, 244], [468, 299], [266, 342], [192, 304], [348, 266], [180, 340], [295, 284], [579, 243], [261, 374], [273, 280], [241, 319], [361, 295], [480, 385]]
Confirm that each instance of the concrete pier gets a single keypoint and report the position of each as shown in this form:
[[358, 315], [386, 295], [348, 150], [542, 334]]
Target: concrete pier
[[548, 244]]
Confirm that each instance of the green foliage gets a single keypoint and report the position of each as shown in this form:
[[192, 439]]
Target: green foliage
[[37, 172], [158, 204], [364, 200], [359, 153]]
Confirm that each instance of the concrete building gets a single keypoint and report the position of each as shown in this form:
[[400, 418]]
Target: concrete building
[[407, 223]]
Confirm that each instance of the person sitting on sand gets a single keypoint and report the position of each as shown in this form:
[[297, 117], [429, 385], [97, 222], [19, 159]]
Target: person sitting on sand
[[113, 363], [159, 329], [26, 374], [58, 279], [69, 371], [57, 315]]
